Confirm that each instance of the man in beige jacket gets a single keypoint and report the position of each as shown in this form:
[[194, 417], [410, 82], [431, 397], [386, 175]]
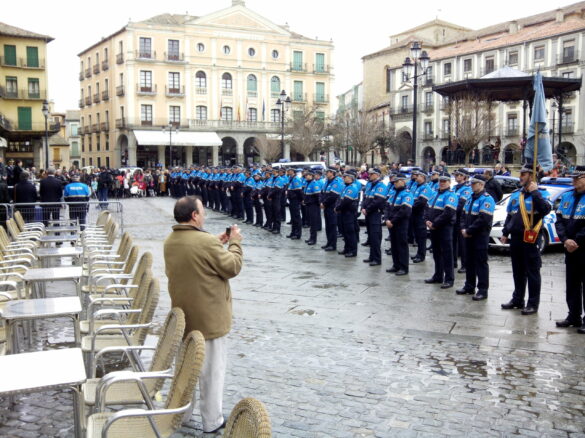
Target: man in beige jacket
[[198, 268]]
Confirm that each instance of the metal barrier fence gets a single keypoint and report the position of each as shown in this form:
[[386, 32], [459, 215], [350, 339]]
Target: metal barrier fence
[[42, 211]]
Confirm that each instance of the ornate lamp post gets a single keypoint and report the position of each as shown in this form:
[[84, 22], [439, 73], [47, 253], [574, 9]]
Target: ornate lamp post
[[170, 128], [46, 115], [410, 69], [284, 103]]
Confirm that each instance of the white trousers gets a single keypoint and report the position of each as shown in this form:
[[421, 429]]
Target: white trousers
[[211, 382]]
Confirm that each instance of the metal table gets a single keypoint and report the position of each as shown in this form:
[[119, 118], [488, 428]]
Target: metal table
[[42, 275], [63, 229], [45, 254], [29, 310], [59, 239], [45, 371]]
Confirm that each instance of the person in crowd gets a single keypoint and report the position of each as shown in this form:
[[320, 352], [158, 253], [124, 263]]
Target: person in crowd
[[51, 194], [373, 205], [105, 182], [199, 268], [397, 215], [421, 194], [331, 191], [492, 186], [295, 198], [347, 205], [78, 193], [25, 192], [463, 191]]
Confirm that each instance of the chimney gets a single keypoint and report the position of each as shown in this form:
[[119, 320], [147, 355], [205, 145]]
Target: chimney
[[560, 17], [513, 27]]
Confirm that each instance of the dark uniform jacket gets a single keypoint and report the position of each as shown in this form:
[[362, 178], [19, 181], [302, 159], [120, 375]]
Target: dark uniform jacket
[[494, 189], [51, 189], [514, 223], [25, 192]]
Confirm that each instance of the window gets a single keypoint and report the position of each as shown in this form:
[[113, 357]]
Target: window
[[175, 115], [428, 129], [74, 130], [145, 48], [445, 126], [512, 124], [568, 118], [251, 52], [83, 144], [297, 61], [539, 53], [226, 50], [388, 80], [9, 54], [569, 51], [429, 100], [298, 91], [32, 57], [320, 62], [98, 146], [226, 81], [99, 160], [227, 114], [201, 112], [275, 86], [33, 88], [97, 58], [320, 115], [320, 91], [252, 85], [467, 65], [107, 158], [75, 148], [489, 65], [513, 58], [174, 82], [275, 115], [146, 115], [200, 47], [252, 115], [173, 54], [275, 54], [11, 86], [200, 79], [24, 118], [447, 69], [429, 74], [568, 74], [105, 54], [404, 103]]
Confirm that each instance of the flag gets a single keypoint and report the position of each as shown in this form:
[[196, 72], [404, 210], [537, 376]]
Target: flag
[[239, 113], [247, 111], [220, 107], [538, 124], [263, 110]]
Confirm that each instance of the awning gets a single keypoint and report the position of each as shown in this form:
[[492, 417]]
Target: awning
[[181, 138]]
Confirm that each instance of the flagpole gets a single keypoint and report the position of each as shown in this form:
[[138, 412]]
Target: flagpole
[[534, 163]]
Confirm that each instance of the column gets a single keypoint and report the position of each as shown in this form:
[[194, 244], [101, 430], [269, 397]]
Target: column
[[240, 152], [131, 150], [161, 155], [188, 155], [215, 156], [286, 150]]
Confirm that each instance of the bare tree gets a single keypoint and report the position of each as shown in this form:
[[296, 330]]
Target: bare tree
[[306, 132], [268, 149]]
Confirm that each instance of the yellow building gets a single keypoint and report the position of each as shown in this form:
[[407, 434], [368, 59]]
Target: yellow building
[[23, 88], [215, 79]]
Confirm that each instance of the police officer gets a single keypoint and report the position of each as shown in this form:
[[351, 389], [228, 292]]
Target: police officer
[[524, 250], [347, 205], [268, 184], [463, 191], [475, 225], [570, 226], [249, 185], [257, 198], [440, 217], [275, 196], [295, 198], [434, 182], [398, 212], [332, 189], [373, 205], [77, 192], [284, 175], [421, 193], [311, 200]]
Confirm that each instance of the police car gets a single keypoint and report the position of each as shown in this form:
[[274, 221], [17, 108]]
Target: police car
[[557, 187]]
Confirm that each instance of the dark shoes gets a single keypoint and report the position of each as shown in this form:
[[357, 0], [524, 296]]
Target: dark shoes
[[365, 244], [461, 271], [375, 263], [529, 310], [401, 272], [512, 305], [295, 238], [432, 281], [275, 232], [311, 242], [341, 252], [566, 323], [417, 260], [391, 270], [351, 254], [366, 261], [446, 285], [388, 252], [288, 236], [581, 331], [328, 248], [480, 296], [464, 291]]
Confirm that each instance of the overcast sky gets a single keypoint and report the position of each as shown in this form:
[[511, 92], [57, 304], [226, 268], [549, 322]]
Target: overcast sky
[[357, 28]]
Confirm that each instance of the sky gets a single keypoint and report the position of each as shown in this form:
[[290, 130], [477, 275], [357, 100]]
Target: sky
[[357, 28]]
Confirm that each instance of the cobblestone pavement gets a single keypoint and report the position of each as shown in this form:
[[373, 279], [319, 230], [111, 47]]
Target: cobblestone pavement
[[336, 348]]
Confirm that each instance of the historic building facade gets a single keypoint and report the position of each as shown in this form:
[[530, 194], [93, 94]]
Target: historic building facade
[[212, 82]]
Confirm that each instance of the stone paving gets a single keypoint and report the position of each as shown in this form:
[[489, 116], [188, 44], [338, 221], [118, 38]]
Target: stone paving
[[336, 348]]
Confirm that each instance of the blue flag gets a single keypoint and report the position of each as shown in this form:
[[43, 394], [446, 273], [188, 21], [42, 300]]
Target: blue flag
[[538, 122], [263, 110]]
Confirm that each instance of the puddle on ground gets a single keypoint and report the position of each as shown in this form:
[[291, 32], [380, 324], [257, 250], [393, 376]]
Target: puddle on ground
[[303, 312], [329, 286]]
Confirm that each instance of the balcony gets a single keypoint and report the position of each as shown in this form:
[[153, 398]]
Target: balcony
[[120, 58], [428, 107], [146, 91], [95, 127], [105, 65], [275, 94], [88, 101], [22, 94], [105, 95], [144, 55], [120, 90], [568, 58], [88, 72], [428, 82], [512, 131], [174, 57], [175, 92], [321, 69], [567, 127], [146, 122], [201, 90], [96, 98], [96, 69], [81, 103], [299, 67], [320, 98], [428, 136], [444, 135], [233, 125], [299, 97], [227, 92], [252, 93], [104, 126], [81, 76], [121, 123], [22, 63]]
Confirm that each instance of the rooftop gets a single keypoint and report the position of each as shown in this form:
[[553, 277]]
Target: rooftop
[[13, 31]]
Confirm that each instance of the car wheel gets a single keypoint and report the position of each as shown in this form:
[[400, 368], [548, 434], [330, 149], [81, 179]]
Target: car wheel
[[543, 242]]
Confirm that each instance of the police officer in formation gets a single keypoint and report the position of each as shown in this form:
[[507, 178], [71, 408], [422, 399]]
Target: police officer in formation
[[398, 212], [373, 204], [312, 201], [421, 193], [527, 208], [347, 206], [570, 227], [332, 189], [463, 191], [475, 224]]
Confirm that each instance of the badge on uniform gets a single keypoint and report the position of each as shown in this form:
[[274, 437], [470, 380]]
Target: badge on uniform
[[451, 199], [514, 201], [566, 204], [486, 205]]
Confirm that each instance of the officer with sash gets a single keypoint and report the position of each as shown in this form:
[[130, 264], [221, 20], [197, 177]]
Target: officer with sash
[[398, 212], [421, 194], [257, 198], [295, 198], [475, 225], [463, 191], [440, 217], [571, 230], [347, 205], [527, 208], [373, 205], [333, 187]]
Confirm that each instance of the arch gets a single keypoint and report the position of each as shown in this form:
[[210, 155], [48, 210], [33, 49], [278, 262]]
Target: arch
[[200, 79], [228, 151], [428, 157], [567, 152], [275, 85], [404, 146], [122, 146], [251, 152], [226, 81], [512, 154], [252, 83]]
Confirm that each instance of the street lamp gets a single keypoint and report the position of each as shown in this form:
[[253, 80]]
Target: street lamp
[[284, 103], [170, 128], [46, 114], [554, 107], [418, 58]]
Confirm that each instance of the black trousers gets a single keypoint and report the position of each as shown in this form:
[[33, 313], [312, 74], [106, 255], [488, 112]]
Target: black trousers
[[249, 209], [399, 242], [442, 241], [50, 212], [304, 215], [330, 226], [477, 272], [259, 212], [223, 200], [459, 246], [294, 205], [283, 208], [420, 234], [268, 212], [526, 263], [314, 212], [350, 234], [78, 212], [237, 204], [276, 211], [205, 196], [575, 281], [374, 225]]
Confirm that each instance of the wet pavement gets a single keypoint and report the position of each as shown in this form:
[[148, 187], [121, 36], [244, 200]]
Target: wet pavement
[[336, 348]]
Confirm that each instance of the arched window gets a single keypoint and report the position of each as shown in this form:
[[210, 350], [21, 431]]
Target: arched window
[[226, 81], [227, 113], [252, 85], [252, 114], [201, 112], [200, 79], [275, 86]]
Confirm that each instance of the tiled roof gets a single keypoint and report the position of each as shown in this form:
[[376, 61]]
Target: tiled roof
[[58, 140], [13, 31], [169, 19], [72, 115]]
